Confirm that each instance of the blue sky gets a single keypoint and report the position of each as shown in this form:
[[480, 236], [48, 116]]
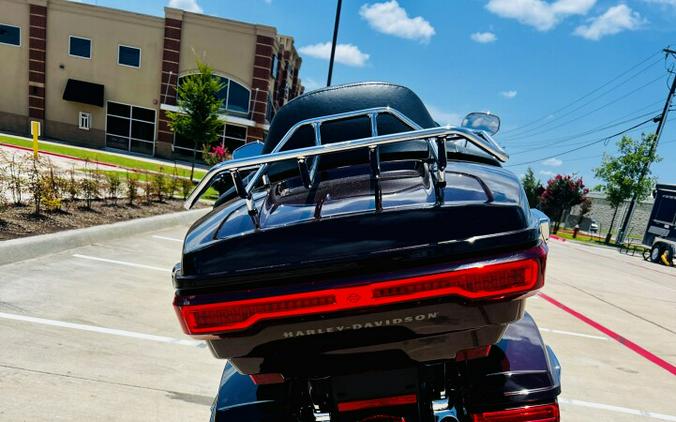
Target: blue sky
[[525, 60]]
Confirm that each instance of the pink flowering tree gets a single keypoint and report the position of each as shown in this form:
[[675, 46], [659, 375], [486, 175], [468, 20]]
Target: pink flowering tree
[[215, 154], [560, 194]]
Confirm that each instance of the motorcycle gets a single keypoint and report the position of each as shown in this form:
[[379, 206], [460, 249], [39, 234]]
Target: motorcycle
[[366, 264]]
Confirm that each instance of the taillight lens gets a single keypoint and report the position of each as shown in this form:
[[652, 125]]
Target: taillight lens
[[540, 413], [477, 281], [352, 406]]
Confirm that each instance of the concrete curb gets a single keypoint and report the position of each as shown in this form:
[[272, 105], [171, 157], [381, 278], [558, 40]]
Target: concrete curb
[[34, 246]]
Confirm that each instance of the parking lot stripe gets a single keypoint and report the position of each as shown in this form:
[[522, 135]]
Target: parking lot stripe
[[615, 336], [618, 409], [102, 330], [128, 264], [172, 239], [570, 333]]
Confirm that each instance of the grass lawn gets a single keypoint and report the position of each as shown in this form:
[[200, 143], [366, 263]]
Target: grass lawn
[[102, 156]]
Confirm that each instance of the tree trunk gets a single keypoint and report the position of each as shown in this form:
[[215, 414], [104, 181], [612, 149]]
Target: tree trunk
[[610, 229], [557, 225]]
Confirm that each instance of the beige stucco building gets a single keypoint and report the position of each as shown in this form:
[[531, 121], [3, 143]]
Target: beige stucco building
[[103, 77]]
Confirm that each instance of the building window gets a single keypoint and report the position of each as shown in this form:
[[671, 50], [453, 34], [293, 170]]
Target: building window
[[85, 121], [80, 47], [274, 68], [128, 56], [10, 35], [235, 96], [231, 137], [130, 128]]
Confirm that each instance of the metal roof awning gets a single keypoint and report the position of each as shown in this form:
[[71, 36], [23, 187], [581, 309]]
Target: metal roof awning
[[83, 92]]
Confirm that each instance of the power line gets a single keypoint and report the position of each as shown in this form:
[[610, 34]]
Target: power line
[[587, 94], [529, 132], [585, 145], [616, 100], [562, 141]]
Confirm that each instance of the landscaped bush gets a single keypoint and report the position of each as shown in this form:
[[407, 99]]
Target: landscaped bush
[[54, 188], [16, 178], [73, 187], [132, 188], [36, 182], [157, 185], [90, 186], [113, 186], [186, 187]]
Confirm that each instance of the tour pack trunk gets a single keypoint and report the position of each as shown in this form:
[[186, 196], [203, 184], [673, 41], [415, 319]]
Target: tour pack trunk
[[361, 263]]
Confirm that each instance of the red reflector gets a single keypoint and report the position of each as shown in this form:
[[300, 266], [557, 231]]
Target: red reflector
[[542, 413], [351, 406], [488, 281], [263, 379], [474, 353]]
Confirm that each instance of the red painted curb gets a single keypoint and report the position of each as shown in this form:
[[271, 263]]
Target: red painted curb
[[612, 334], [553, 236]]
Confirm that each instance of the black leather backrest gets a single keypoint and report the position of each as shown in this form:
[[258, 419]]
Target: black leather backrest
[[343, 98]]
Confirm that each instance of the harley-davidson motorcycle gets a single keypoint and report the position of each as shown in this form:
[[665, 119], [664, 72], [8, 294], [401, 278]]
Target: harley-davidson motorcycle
[[366, 264]]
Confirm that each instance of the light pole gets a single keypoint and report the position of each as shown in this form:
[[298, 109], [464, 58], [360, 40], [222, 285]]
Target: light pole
[[335, 39]]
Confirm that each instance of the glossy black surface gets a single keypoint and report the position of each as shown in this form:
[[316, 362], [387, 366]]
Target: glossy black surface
[[520, 370]]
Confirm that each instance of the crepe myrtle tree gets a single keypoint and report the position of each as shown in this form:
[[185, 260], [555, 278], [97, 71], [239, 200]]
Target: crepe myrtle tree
[[562, 193], [198, 103], [621, 173]]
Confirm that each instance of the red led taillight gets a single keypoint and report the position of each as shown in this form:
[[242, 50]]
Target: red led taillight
[[352, 406], [477, 281], [540, 413]]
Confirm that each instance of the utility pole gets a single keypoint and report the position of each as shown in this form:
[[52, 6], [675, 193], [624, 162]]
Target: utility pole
[[336, 23], [644, 171]]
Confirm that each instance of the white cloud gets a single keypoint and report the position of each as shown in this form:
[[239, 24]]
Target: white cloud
[[188, 5], [552, 162], [546, 173], [443, 117], [483, 37], [541, 15], [616, 19], [392, 19], [311, 84], [347, 54], [509, 94]]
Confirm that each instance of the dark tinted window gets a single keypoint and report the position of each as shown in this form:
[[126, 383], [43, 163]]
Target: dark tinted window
[[117, 126], [238, 98], [141, 147], [118, 109], [238, 132], [145, 114], [80, 47], [142, 130], [666, 210], [129, 56], [10, 34]]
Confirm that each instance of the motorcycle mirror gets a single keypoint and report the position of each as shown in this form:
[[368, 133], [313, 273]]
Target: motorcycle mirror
[[250, 149], [543, 222], [487, 122]]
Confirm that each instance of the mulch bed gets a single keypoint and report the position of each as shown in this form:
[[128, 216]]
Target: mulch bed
[[19, 221]]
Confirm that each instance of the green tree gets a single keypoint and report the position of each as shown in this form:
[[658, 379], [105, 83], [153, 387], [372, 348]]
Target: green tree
[[198, 103], [533, 188], [621, 173], [561, 193]]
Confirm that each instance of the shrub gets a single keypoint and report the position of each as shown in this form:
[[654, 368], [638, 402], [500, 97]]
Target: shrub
[[16, 178], [73, 186], [132, 188], [158, 185], [174, 181], [215, 154], [90, 186], [36, 182], [53, 189], [113, 186], [147, 190], [186, 187]]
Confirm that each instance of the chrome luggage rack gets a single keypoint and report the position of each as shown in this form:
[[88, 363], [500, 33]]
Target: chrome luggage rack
[[436, 137]]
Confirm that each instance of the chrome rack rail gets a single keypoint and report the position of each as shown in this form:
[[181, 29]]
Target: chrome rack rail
[[436, 137]]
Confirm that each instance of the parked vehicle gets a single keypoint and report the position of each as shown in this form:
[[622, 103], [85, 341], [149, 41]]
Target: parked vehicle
[[366, 264], [660, 234]]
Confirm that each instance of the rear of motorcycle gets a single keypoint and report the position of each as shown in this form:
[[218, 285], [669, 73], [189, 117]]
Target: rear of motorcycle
[[369, 265]]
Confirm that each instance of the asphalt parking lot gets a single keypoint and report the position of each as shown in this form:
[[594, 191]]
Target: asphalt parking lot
[[89, 334]]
